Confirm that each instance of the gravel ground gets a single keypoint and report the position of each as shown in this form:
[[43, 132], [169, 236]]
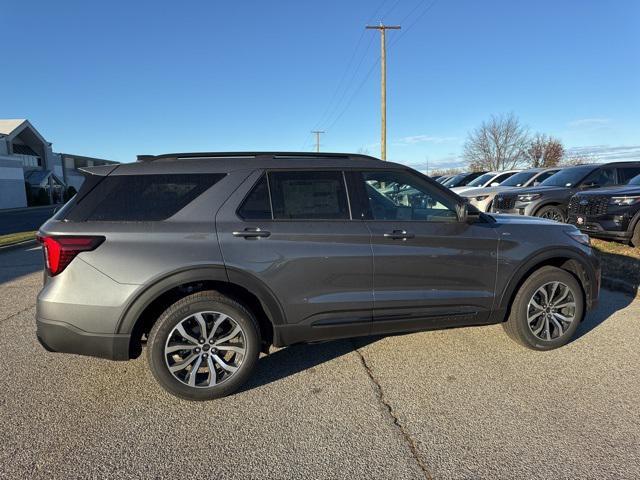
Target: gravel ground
[[464, 403]]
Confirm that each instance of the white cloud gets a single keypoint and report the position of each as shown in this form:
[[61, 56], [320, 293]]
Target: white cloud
[[589, 122], [606, 153], [414, 139]]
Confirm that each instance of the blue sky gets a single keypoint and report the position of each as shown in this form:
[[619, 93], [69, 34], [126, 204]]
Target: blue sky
[[114, 79]]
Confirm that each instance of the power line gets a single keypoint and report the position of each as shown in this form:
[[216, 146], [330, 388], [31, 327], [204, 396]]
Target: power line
[[412, 24], [331, 108]]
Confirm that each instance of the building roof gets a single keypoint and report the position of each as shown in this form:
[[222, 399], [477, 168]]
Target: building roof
[[8, 126]]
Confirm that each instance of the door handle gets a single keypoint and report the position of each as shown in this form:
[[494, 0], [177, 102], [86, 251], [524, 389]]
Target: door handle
[[252, 233], [399, 235]]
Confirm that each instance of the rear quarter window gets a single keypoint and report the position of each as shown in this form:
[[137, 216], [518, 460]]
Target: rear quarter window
[[140, 198]]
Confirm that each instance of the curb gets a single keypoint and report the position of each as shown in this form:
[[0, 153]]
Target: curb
[[14, 246]]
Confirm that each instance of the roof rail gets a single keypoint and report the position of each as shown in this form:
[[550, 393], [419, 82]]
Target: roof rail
[[213, 155]]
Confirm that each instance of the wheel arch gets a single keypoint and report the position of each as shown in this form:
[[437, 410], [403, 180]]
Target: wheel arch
[[145, 308], [565, 259], [550, 203]]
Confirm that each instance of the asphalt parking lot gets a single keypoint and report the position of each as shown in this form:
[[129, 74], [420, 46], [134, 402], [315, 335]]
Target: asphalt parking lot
[[464, 403]]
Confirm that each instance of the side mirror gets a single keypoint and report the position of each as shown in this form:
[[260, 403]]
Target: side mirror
[[495, 184], [589, 185], [536, 183]]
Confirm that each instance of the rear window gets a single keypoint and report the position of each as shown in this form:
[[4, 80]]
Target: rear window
[[140, 198]]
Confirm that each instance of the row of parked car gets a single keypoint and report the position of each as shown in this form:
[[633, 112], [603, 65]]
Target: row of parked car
[[602, 200]]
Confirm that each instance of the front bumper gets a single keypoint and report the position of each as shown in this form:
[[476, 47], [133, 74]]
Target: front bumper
[[62, 337], [615, 227]]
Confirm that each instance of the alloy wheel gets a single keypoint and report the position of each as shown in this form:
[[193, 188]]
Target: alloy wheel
[[551, 310], [205, 349], [553, 215]]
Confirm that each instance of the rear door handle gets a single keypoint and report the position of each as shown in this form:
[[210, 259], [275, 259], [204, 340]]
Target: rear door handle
[[252, 233], [399, 235]]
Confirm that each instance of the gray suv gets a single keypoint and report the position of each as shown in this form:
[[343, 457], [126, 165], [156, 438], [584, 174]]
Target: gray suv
[[210, 258]]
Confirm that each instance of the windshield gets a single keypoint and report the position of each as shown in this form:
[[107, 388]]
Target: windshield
[[568, 178], [481, 180], [634, 181], [519, 179], [456, 180]]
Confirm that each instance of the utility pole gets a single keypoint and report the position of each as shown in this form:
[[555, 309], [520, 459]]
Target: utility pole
[[383, 83], [317, 133]]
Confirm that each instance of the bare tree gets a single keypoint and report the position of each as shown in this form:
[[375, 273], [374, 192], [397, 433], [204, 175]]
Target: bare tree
[[498, 144], [444, 171], [544, 151], [572, 160]]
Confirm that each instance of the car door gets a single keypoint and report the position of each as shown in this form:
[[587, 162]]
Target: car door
[[430, 269], [291, 232]]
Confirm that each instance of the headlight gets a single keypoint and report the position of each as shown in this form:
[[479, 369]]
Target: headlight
[[481, 198], [529, 197], [624, 200], [579, 237]]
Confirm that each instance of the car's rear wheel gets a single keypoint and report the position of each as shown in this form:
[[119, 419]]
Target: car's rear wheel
[[552, 212], [546, 310], [204, 346]]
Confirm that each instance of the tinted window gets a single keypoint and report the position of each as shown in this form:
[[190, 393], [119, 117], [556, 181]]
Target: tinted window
[[402, 196], [602, 177], [501, 178], [627, 173], [257, 206], [308, 195], [543, 176], [519, 179], [481, 180], [140, 198], [568, 177]]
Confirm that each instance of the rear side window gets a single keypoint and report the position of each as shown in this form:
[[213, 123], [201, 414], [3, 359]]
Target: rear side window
[[308, 195], [257, 205], [141, 198], [627, 173]]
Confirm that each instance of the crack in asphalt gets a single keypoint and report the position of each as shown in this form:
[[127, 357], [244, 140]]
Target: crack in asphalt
[[396, 421], [2, 320]]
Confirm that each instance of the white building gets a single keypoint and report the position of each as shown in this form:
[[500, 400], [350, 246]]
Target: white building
[[30, 172]]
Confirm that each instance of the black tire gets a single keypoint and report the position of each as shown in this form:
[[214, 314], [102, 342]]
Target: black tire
[[175, 314], [553, 212], [517, 326], [635, 238]]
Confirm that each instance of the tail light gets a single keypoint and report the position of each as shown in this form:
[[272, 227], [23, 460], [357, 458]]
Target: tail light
[[59, 251]]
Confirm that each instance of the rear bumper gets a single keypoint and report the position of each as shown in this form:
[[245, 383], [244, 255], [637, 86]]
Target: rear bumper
[[62, 337]]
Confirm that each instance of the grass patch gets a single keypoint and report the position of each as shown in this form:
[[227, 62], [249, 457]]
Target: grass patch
[[619, 261], [12, 238]]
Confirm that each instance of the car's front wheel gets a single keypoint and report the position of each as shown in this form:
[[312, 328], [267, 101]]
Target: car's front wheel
[[204, 346], [552, 212], [546, 310]]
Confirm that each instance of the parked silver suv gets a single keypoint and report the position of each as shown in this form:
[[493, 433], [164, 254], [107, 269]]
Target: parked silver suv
[[210, 258]]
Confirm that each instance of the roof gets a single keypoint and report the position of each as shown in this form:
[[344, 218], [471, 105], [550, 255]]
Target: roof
[[8, 126], [209, 162]]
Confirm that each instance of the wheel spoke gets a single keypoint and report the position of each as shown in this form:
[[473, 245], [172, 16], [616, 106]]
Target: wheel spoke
[[224, 365], [562, 318], [212, 372], [217, 323], [543, 291], [185, 335], [558, 325], [539, 329], [233, 334], [536, 304], [203, 324], [547, 328], [176, 348], [184, 364], [564, 305], [563, 296], [554, 287], [533, 317], [194, 372], [231, 348]]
